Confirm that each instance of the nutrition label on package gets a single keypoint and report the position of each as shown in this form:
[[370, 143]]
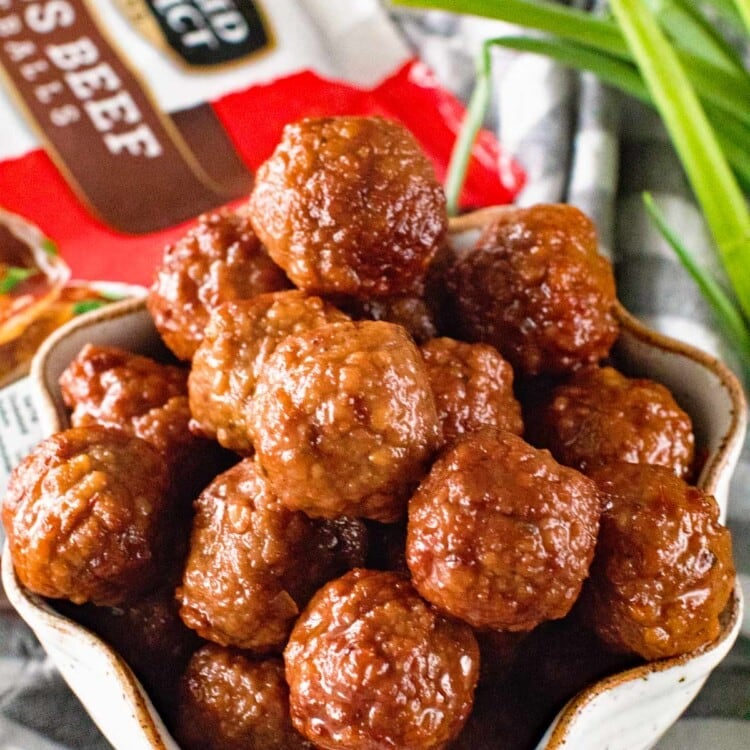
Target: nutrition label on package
[[20, 429]]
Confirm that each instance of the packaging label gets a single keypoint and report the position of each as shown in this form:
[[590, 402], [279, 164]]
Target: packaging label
[[202, 33], [98, 120], [20, 429]]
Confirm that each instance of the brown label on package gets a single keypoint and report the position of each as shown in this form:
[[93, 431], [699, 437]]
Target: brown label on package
[[124, 158], [202, 33]]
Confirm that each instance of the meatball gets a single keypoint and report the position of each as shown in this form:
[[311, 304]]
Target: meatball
[[499, 534], [536, 288], [600, 416], [218, 260], [253, 564], [349, 205], [240, 338], [86, 516], [343, 420], [663, 569], [228, 701], [108, 386], [370, 665], [411, 312], [473, 387]]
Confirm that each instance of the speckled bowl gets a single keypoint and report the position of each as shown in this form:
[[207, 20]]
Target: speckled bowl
[[627, 711]]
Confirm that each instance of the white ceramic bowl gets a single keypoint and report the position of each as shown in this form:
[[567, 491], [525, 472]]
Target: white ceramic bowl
[[627, 711]]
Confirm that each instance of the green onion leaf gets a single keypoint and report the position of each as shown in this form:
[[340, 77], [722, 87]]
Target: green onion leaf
[[726, 10], [611, 70], [743, 7], [727, 314], [13, 276], [475, 112], [87, 305], [733, 136], [568, 23], [715, 187], [688, 28], [715, 85]]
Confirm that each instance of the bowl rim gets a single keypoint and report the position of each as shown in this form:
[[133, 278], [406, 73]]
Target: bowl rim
[[27, 603], [720, 461], [570, 712]]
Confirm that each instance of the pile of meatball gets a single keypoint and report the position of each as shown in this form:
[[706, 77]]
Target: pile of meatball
[[385, 483]]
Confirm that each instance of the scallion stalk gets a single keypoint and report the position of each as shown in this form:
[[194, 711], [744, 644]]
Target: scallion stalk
[[733, 135], [743, 8], [568, 23], [687, 27], [723, 204], [475, 113], [726, 312]]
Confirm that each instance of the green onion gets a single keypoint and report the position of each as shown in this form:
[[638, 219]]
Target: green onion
[[14, 276], [689, 28], [567, 23], [726, 10], [733, 136], [597, 33], [612, 70], [724, 308], [718, 193], [475, 112], [743, 7], [87, 305]]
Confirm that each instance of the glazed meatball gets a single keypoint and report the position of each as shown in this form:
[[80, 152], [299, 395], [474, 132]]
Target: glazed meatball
[[536, 288], [411, 312], [344, 422], [663, 568], [240, 338], [349, 205], [253, 563], [218, 260], [108, 386], [370, 665], [85, 515], [231, 702], [499, 534], [601, 417], [473, 387]]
